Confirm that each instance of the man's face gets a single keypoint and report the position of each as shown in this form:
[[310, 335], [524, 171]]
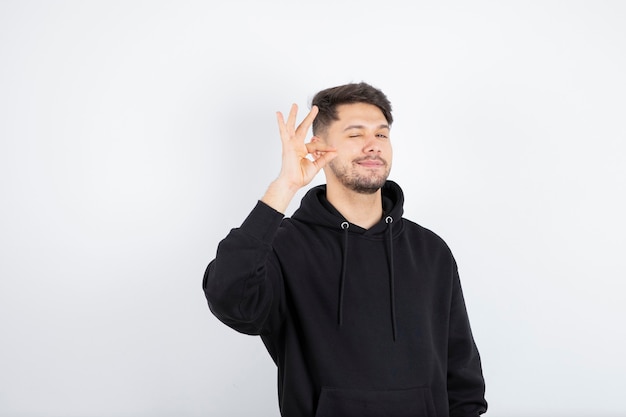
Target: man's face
[[364, 154]]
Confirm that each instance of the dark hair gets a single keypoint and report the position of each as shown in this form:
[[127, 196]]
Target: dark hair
[[327, 101]]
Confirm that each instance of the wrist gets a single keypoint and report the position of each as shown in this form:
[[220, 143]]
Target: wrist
[[279, 194]]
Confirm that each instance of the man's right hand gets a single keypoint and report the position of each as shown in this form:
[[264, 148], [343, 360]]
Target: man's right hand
[[297, 169]]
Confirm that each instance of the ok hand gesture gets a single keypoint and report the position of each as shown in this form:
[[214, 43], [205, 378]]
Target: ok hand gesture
[[297, 168]]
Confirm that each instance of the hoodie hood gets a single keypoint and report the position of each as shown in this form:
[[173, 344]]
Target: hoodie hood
[[316, 210]]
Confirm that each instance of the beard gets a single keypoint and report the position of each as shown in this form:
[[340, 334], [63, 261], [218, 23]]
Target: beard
[[363, 183]]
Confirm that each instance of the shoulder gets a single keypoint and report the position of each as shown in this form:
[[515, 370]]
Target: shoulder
[[429, 238]]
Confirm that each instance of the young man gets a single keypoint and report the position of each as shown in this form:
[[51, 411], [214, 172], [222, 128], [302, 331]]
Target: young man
[[361, 309]]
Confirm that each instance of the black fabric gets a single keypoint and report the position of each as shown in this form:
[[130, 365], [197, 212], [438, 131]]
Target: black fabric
[[358, 321], [412, 402]]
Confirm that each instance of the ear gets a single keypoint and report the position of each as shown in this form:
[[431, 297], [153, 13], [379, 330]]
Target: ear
[[317, 140]]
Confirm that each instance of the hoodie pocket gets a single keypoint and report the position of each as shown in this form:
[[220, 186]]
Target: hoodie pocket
[[411, 402]]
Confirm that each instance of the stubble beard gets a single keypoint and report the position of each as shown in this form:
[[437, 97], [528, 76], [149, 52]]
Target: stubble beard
[[367, 183]]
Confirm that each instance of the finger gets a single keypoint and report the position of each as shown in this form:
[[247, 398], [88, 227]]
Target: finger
[[313, 147], [282, 128], [291, 120], [324, 158], [308, 120], [280, 118]]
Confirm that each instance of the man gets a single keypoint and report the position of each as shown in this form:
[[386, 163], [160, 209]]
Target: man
[[361, 310]]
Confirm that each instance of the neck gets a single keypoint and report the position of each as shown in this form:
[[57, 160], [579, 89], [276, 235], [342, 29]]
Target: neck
[[364, 210]]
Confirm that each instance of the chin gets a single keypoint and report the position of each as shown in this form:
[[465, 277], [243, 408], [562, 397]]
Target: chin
[[366, 187]]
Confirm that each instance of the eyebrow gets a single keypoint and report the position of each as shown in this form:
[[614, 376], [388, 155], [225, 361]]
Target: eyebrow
[[383, 126]]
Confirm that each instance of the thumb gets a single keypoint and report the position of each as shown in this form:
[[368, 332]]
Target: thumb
[[323, 158]]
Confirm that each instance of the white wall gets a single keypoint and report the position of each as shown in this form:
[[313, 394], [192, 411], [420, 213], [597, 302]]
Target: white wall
[[134, 135]]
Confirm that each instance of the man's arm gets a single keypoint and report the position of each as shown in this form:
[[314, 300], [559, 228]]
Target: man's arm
[[243, 283], [466, 385]]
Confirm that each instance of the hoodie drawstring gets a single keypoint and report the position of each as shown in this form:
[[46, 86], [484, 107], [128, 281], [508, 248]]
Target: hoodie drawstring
[[344, 226], [392, 280], [392, 296]]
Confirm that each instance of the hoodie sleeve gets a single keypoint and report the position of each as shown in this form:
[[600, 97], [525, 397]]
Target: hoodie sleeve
[[466, 385], [242, 284]]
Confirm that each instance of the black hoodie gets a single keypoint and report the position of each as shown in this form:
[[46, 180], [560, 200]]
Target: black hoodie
[[359, 322]]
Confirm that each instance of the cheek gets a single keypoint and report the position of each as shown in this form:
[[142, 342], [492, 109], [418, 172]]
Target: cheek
[[389, 150], [345, 150]]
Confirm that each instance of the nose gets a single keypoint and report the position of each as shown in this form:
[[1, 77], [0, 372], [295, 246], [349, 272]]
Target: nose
[[372, 144]]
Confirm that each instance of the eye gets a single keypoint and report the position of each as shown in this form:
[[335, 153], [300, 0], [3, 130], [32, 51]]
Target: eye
[[383, 136]]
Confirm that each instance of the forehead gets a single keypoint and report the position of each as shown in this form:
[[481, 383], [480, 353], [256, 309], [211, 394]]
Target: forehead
[[362, 114]]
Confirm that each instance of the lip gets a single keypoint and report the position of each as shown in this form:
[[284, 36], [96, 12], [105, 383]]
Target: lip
[[371, 163]]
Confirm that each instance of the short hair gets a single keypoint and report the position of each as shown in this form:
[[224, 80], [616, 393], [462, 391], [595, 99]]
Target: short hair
[[327, 101]]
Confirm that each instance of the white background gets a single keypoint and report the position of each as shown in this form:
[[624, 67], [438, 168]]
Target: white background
[[135, 134]]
